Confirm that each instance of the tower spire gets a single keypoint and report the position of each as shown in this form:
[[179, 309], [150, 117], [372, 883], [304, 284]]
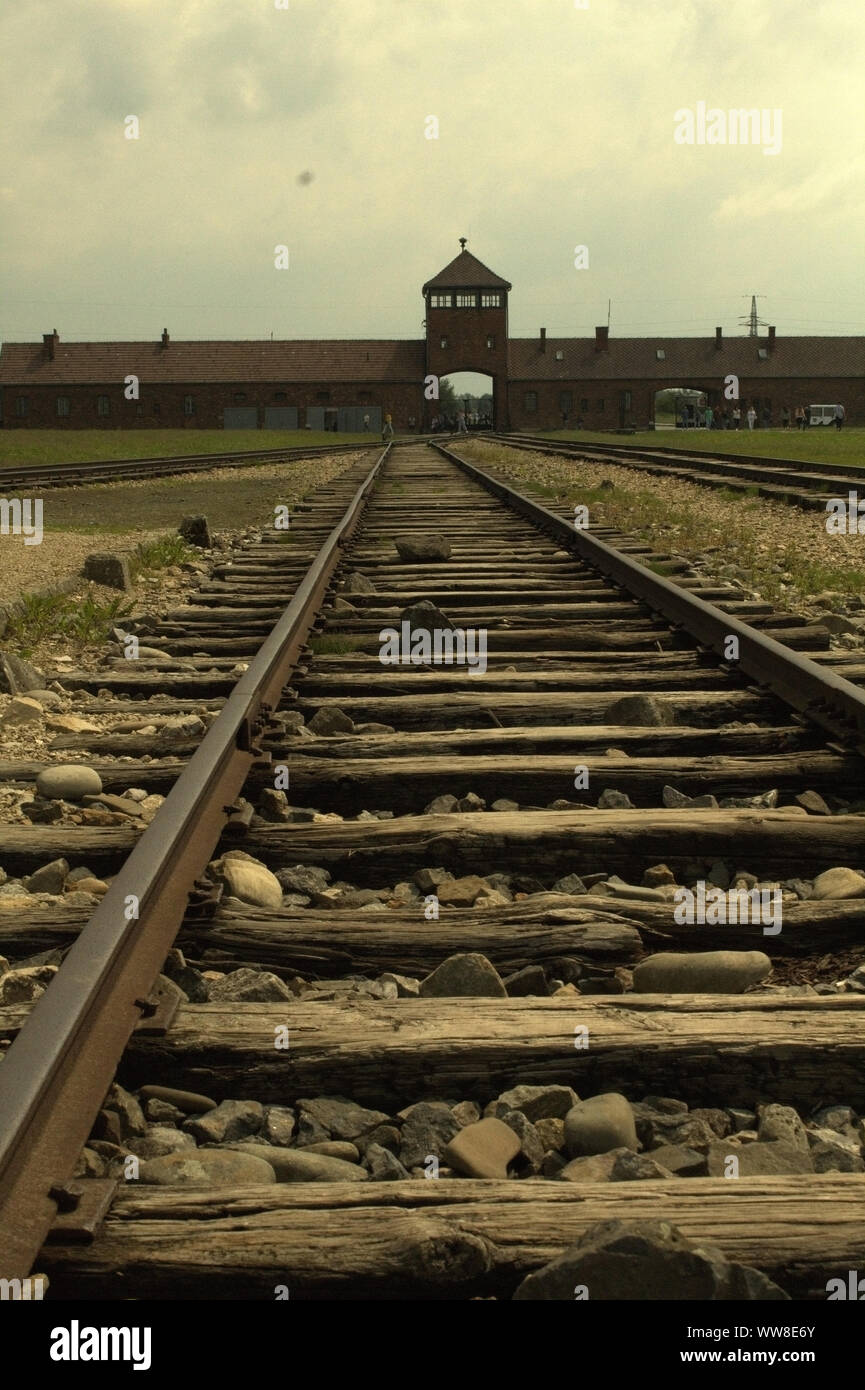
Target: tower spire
[[463, 241]]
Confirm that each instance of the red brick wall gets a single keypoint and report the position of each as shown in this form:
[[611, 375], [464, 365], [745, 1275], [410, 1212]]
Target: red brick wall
[[606, 399], [466, 331], [402, 400]]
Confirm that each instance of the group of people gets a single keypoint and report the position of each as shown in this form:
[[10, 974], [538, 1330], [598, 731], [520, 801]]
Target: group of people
[[695, 416], [460, 423]]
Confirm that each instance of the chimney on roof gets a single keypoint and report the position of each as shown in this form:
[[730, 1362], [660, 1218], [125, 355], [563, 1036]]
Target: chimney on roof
[[771, 337], [50, 341], [165, 339], [602, 337], [719, 340], [543, 340]]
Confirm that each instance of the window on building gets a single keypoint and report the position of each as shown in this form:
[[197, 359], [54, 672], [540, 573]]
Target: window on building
[[22, 405], [491, 342], [240, 395], [560, 356], [441, 301], [627, 400], [530, 400], [279, 395], [467, 301], [491, 301], [322, 395], [103, 406], [365, 397], [62, 405], [602, 405], [584, 405], [444, 342], [566, 401], [157, 408], [188, 405], [660, 354]]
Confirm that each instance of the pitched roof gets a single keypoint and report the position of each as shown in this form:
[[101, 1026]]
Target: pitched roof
[[181, 362], [686, 361], [466, 272]]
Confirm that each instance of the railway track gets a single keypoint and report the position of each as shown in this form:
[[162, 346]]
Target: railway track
[[18, 477], [532, 819], [808, 485]]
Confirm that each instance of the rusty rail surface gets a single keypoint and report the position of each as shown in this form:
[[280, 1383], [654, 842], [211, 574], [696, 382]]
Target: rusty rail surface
[[14, 476], [816, 693], [56, 1074], [801, 483]]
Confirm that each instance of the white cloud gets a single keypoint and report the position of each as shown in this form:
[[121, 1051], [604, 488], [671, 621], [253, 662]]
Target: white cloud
[[556, 129]]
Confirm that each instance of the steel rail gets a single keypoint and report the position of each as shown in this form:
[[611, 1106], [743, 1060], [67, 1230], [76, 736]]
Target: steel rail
[[101, 470], [777, 479], [820, 695], [56, 1074], [636, 451]]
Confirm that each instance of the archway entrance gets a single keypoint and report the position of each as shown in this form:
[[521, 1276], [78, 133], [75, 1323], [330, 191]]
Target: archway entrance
[[466, 395], [685, 407]]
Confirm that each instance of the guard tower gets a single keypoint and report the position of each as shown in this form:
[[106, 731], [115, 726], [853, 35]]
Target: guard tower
[[467, 326]]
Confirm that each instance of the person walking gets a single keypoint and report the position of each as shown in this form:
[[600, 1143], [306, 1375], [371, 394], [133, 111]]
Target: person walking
[[839, 417], [799, 416], [709, 417], [785, 417], [751, 417], [366, 424], [766, 418], [737, 417], [387, 430]]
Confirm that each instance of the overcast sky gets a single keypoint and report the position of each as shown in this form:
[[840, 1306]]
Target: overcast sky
[[305, 127]]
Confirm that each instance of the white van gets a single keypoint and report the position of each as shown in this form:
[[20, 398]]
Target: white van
[[821, 414]]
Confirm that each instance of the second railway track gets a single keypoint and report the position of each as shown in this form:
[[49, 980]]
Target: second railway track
[[803, 483], [437, 811]]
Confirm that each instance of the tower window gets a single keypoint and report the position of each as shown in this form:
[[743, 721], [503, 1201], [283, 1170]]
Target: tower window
[[560, 356], [467, 301], [491, 301], [491, 342], [660, 354], [441, 301], [443, 342]]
